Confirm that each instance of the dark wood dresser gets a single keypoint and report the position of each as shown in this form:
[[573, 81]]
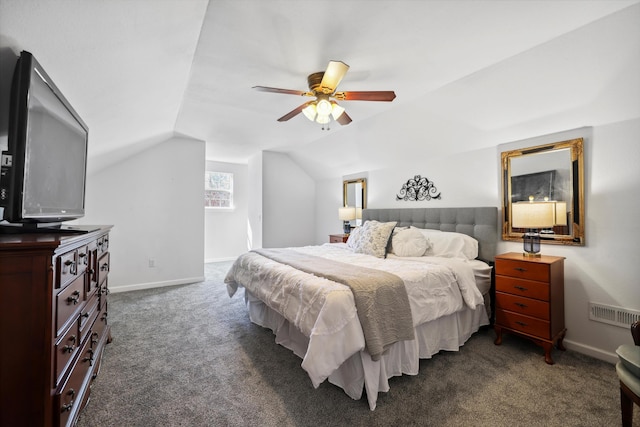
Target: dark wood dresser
[[530, 299], [53, 324]]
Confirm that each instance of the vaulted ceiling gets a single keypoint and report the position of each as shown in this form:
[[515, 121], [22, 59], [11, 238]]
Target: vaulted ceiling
[[140, 71]]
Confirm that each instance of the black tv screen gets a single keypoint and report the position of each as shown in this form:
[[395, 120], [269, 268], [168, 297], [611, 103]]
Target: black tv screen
[[44, 169]]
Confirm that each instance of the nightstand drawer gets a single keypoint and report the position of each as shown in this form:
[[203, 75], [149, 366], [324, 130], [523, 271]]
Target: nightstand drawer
[[528, 306], [525, 288], [523, 269], [338, 238], [528, 325]]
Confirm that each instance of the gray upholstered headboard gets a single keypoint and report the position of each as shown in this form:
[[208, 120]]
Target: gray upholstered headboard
[[479, 223]]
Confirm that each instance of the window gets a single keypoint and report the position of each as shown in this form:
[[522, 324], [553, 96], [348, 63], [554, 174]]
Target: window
[[218, 190]]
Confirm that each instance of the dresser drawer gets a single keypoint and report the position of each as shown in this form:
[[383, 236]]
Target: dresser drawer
[[525, 288], [522, 269], [88, 316], [103, 245], [68, 302], [101, 321], [65, 348], [528, 325], [528, 306], [69, 398], [103, 268], [66, 268]]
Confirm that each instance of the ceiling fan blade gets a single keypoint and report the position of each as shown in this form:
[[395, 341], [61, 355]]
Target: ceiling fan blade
[[294, 112], [332, 76], [285, 91], [343, 119], [376, 95]]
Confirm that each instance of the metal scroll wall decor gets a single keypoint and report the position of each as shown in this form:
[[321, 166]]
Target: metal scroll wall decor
[[418, 188]]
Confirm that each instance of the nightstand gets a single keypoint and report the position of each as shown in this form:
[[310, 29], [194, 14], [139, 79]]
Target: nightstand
[[530, 299], [338, 238]]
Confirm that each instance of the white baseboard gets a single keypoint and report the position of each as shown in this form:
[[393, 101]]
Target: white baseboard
[[233, 258], [150, 285], [591, 351]]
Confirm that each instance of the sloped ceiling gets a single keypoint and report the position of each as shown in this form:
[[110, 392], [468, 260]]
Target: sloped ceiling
[[140, 71]]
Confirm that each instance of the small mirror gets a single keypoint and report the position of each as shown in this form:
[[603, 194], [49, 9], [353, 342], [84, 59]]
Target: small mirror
[[354, 193], [551, 173]]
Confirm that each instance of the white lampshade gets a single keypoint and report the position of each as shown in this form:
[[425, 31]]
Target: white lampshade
[[347, 213], [533, 214], [336, 110], [310, 111], [323, 107], [358, 213]]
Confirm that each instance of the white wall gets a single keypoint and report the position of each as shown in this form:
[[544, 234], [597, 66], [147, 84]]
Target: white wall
[[154, 200], [254, 205], [288, 203], [226, 230]]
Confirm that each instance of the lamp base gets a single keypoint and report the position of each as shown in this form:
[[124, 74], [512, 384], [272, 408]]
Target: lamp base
[[531, 244], [346, 227], [531, 254]]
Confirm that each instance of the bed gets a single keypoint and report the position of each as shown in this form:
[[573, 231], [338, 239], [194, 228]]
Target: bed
[[312, 297]]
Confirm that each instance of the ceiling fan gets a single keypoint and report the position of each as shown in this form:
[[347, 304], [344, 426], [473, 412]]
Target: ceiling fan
[[322, 86]]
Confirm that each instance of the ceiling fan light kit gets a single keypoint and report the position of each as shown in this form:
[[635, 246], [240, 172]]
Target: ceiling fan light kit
[[322, 86]]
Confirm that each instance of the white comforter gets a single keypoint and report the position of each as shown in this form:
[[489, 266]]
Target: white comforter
[[325, 312]]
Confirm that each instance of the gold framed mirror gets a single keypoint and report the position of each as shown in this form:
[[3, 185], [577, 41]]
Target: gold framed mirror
[[354, 193], [552, 173]]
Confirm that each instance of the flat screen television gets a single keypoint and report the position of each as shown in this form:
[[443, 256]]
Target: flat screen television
[[43, 171]]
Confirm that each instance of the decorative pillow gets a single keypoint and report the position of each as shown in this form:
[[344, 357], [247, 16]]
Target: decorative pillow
[[374, 239], [409, 242], [450, 244], [395, 231], [354, 237]]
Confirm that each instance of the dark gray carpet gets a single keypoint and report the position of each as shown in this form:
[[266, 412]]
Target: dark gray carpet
[[189, 356]]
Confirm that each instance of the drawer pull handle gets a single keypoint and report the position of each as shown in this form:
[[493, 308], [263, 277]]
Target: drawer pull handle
[[521, 288], [82, 255], [71, 265], [70, 348], [94, 338], [68, 406], [89, 358], [520, 269], [104, 267], [521, 305], [75, 296], [85, 315], [521, 323]]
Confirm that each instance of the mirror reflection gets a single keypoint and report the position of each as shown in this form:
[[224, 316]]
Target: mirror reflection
[[354, 194], [550, 176]]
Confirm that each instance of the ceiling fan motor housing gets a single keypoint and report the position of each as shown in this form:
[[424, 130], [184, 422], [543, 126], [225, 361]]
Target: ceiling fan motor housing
[[314, 81]]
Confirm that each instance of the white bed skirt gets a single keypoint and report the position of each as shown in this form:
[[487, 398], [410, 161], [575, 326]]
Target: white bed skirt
[[359, 372]]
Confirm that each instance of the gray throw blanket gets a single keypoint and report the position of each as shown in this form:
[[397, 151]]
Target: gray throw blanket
[[380, 297]]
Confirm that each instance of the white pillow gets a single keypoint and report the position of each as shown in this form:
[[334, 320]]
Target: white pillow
[[354, 237], [409, 242], [374, 239], [448, 244]]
